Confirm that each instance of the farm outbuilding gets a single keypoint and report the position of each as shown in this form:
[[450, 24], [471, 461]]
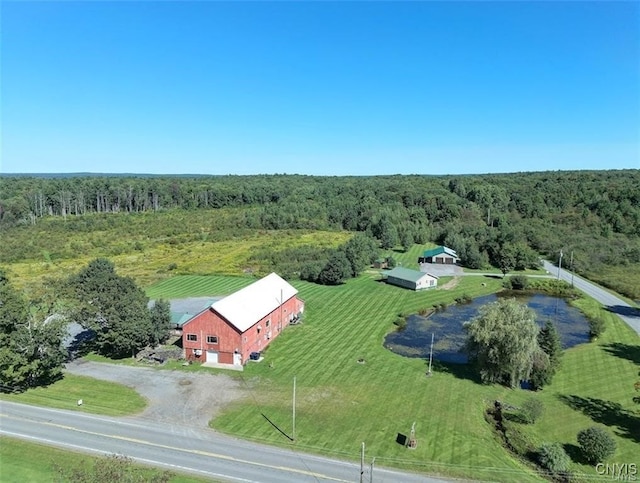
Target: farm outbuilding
[[243, 323], [444, 255], [411, 279]]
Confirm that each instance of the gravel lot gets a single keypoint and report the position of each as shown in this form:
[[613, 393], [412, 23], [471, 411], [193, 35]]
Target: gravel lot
[[177, 397]]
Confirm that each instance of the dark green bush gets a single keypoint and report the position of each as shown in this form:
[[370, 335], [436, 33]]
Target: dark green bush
[[519, 282], [596, 444]]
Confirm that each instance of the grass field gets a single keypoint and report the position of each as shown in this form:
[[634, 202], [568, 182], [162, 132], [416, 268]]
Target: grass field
[[27, 461], [341, 403], [100, 397]]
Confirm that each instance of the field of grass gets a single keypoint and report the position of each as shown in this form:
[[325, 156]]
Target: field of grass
[[100, 397], [27, 461], [595, 387], [340, 403]]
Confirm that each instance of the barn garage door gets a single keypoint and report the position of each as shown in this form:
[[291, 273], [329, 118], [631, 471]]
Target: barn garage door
[[212, 356]]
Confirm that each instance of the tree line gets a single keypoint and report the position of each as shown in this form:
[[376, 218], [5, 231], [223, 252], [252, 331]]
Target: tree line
[[504, 220]]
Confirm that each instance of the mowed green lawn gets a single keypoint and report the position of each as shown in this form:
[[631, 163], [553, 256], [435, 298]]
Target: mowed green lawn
[[341, 403], [100, 397]]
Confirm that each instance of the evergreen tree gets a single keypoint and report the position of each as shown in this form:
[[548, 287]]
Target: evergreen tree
[[160, 322], [336, 271], [551, 345]]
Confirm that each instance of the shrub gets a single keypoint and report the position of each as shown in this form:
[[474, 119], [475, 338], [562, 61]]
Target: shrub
[[596, 327], [400, 322], [532, 410], [519, 282], [553, 458], [596, 444], [464, 299], [519, 442]]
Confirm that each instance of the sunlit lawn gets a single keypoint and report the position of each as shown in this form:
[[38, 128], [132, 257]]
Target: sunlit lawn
[[101, 397]]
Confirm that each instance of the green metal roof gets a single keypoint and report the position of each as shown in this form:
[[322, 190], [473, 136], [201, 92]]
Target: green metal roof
[[406, 274], [438, 250]]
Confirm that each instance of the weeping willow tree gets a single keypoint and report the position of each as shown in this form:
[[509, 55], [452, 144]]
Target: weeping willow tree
[[503, 342]]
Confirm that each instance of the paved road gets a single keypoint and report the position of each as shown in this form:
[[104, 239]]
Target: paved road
[[200, 451], [627, 313]]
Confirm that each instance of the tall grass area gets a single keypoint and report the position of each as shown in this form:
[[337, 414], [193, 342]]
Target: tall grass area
[[621, 278], [100, 397], [27, 461], [150, 261]]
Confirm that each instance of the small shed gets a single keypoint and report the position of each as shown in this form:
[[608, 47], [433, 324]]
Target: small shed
[[411, 279], [381, 263]]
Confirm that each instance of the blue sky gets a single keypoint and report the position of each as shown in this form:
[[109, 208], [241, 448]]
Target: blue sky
[[327, 88]]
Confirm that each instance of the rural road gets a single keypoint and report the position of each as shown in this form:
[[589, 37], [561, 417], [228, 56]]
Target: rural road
[[185, 449], [616, 305]]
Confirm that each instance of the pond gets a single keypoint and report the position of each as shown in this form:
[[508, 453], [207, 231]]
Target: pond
[[449, 336]]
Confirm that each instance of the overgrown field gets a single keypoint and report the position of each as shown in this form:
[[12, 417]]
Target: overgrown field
[[341, 402], [149, 246]]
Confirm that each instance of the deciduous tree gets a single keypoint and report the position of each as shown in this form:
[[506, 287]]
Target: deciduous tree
[[114, 307], [31, 351], [502, 341]]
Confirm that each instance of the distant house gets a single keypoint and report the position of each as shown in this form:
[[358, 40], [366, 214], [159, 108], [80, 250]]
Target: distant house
[[245, 322], [411, 279], [443, 255]]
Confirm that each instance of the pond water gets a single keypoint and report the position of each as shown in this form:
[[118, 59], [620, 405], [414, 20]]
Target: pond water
[[449, 336]]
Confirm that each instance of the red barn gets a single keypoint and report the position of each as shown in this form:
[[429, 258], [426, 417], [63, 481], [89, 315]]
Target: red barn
[[246, 321]]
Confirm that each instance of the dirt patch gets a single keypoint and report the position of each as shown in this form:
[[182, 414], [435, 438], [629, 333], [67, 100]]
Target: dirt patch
[[451, 284], [190, 399]]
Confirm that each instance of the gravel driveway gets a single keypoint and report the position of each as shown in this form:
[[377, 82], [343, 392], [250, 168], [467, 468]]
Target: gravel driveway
[[190, 399]]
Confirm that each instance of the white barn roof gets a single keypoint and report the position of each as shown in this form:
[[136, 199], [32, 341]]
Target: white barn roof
[[247, 306]]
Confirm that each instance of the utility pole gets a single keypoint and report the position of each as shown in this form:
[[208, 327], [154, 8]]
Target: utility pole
[[571, 263], [362, 464], [560, 265], [430, 354], [293, 435]]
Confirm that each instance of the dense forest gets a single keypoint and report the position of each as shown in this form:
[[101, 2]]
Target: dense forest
[[594, 215]]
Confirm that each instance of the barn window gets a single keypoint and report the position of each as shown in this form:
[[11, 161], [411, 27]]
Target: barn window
[[192, 337], [268, 323], [212, 339]]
